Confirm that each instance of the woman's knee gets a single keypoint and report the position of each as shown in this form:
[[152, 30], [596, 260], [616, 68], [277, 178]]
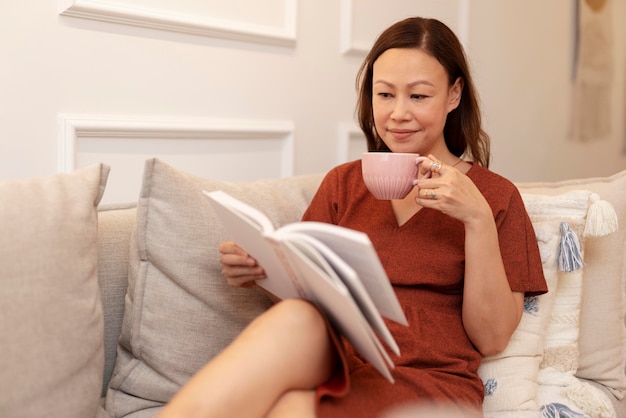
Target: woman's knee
[[298, 315], [301, 330]]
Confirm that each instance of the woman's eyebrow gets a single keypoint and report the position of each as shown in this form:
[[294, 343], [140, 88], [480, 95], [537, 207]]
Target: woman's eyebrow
[[418, 82], [411, 84]]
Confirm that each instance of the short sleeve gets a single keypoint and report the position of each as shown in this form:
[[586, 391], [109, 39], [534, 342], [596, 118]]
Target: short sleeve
[[519, 249]]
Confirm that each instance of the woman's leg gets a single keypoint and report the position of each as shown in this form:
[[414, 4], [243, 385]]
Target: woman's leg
[[295, 403], [287, 348]]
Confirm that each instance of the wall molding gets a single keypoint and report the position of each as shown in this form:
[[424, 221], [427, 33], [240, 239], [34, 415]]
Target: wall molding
[[73, 128], [349, 133], [128, 14], [346, 46]]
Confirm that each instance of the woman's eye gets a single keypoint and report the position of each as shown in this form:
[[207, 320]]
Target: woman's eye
[[417, 96], [384, 95]]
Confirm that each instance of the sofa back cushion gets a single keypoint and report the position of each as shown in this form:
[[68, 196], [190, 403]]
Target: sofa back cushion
[[50, 311], [115, 225], [510, 377], [179, 310]]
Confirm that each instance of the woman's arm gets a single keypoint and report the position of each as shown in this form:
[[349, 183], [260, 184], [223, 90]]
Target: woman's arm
[[491, 310]]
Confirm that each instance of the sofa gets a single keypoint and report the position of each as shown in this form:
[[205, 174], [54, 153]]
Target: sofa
[[106, 310]]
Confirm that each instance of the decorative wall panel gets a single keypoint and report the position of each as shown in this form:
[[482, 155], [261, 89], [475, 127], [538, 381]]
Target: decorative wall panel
[[233, 150], [363, 20], [351, 143], [270, 22]]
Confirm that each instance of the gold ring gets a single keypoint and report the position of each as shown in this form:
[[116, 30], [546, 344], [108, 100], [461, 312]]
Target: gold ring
[[432, 194], [435, 166]]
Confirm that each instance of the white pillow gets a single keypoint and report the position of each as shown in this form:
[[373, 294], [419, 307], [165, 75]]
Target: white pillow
[[510, 378], [602, 351]]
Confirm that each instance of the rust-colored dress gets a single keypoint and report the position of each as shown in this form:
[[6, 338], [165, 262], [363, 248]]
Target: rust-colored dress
[[424, 259]]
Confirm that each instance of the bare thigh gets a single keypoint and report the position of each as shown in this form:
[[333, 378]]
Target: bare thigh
[[305, 351], [295, 403], [280, 356]]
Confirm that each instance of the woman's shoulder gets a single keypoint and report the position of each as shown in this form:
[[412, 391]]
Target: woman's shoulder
[[344, 172], [493, 185], [482, 176], [338, 186], [348, 167]]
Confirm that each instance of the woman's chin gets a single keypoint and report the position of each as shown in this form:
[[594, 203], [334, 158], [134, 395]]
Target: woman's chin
[[404, 149]]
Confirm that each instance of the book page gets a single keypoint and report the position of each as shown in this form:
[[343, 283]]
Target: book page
[[295, 268], [247, 213], [335, 300], [349, 277], [356, 249], [246, 227]]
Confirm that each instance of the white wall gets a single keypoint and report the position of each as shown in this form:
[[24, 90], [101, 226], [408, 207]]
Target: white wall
[[523, 55], [75, 91]]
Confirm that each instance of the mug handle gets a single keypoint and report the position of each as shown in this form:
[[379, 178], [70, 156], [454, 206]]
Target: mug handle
[[418, 161]]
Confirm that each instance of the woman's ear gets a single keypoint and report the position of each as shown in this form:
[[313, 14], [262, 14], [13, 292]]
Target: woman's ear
[[455, 93]]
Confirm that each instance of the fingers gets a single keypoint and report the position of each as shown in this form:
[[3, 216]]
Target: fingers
[[229, 247], [435, 165], [428, 194], [429, 189], [242, 276], [234, 255], [244, 282], [239, 268], [429, 167]]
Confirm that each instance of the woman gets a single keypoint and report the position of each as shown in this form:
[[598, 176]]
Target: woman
[[459, 250]]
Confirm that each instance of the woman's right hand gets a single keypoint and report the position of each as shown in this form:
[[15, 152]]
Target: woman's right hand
[[238, 267]]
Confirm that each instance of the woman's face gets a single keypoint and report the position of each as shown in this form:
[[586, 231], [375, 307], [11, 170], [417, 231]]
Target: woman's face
[[411, 100]]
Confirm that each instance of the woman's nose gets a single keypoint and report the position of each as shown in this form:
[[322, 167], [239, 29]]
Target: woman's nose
[[400, 110]]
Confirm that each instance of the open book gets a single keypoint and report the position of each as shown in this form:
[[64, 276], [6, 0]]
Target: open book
[[334, 267]]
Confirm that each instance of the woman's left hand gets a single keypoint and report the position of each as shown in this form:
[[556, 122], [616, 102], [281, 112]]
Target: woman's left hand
[[450, 191]]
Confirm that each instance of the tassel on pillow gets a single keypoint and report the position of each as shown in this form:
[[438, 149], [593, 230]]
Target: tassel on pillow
[[587, 398], [601, 218], [570, 257]]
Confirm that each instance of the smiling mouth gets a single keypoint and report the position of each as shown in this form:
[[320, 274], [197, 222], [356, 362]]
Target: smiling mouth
[[401, 133]]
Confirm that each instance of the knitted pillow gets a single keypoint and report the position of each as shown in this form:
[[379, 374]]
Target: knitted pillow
[[560, 354], [558, 387], [601, 338], [559, 390], [510, 378]]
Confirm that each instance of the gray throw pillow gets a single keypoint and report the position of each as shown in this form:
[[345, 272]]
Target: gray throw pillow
[[179, 310]]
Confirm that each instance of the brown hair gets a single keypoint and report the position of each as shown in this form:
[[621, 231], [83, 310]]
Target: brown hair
[[463, 130]]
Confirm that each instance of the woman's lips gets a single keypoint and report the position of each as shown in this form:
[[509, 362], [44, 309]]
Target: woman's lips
[[401, 133]]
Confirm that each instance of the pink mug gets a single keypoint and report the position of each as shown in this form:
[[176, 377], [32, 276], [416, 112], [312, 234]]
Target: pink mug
[[390, 175]]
